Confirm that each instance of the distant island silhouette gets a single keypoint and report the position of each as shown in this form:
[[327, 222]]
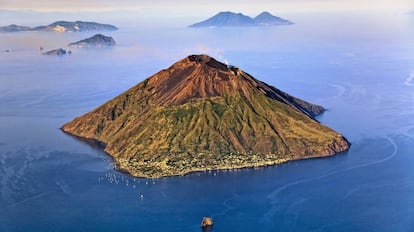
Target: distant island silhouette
[[231, 19], [62, 26], [57, 52], [97, 40]]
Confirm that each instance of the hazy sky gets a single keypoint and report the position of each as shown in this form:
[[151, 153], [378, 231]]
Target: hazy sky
[[191, 7]]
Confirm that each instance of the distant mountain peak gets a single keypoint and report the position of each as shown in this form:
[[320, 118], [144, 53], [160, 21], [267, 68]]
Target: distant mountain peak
[[264, 13], [226, 18], [231, 19], [267, 19]]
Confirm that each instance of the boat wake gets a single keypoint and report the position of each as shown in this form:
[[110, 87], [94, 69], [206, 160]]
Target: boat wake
[[37, 196], [273, 196], [226, 207], [410, 79]]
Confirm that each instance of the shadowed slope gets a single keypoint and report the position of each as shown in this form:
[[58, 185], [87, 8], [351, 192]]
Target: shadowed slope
[[201, 114]]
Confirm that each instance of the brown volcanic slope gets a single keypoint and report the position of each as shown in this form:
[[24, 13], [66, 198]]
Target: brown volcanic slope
[[201, 114]]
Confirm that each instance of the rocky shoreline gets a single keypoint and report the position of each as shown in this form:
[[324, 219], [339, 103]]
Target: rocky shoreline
[[123, 166], [231, 163]]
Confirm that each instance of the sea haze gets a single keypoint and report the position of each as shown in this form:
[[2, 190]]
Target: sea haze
[[360, 67]]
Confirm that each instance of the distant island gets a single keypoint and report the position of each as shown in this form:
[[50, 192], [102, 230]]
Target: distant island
[[267, 19], [201, 114], [78, 26], [62, 26], [56, 52], [97, 40], [231, 19], [14, 28]]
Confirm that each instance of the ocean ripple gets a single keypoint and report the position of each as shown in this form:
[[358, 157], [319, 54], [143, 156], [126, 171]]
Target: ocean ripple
[[410, 79]]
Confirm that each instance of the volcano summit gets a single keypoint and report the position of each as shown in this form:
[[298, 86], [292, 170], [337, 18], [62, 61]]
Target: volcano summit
[[201, 114]]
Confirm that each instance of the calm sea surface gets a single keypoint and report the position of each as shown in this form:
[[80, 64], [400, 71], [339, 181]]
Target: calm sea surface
[[361, 69]]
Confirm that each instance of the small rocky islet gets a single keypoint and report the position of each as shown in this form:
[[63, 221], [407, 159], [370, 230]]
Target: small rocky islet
[[206, 223], [201, 114], [57, 52], [97, 40]]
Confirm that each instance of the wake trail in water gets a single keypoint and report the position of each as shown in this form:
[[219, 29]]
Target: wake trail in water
[[227, 207], [40, 195], [273, 196], [406, 132], [13, 176], [341, 89]]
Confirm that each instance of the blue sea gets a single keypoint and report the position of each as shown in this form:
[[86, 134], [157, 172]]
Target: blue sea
[[360, 67]]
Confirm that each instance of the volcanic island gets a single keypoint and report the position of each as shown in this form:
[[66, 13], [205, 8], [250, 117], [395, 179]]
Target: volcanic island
[[201, 114]]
